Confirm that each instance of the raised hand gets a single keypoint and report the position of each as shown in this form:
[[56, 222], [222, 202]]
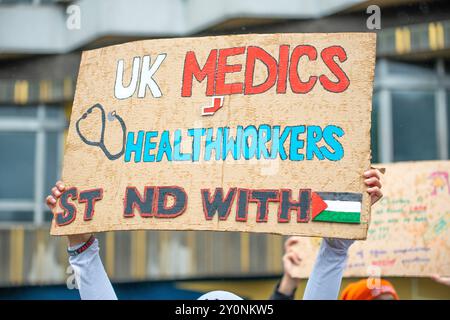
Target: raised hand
[[57, 191], [51, 202], [373, 183], [291, 261]]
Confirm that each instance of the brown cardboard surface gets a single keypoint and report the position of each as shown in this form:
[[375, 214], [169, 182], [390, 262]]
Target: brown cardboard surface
[[86, 166]]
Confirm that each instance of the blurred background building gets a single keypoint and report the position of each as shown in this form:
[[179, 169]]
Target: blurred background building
[[40, 46]]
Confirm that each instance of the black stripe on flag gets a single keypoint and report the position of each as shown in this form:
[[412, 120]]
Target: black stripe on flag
[[341, 196]]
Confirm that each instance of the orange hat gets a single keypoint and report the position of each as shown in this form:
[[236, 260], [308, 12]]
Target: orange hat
[[360, 291]]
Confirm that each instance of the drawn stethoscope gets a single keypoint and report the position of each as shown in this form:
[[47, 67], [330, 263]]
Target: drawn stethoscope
[[101, 143]]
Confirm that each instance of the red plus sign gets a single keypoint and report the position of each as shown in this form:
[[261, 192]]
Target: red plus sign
[[217, 103]]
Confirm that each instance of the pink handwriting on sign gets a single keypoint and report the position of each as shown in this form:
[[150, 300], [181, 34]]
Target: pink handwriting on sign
[[384, 262], [439, 180]]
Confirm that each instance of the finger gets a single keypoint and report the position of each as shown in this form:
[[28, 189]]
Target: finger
[[60, 185], [435, 277], [373, 190], [51, 202], [290, 242], [290, 259], [371, 182], [440, 279], [56, 193], [297, 258], [294, 258], [372, 173], [375, 194]]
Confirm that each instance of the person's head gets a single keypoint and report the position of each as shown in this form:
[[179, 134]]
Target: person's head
[[362, 290], [219, 295]]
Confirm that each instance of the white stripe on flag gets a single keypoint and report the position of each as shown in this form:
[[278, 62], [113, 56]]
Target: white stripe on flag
[[343, 206]]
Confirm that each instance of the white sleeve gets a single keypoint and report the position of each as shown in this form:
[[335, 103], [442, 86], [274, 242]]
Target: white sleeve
[[325, 279], [90, 275]]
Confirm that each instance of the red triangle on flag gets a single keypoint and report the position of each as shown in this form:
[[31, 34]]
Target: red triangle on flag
[[317, 205]]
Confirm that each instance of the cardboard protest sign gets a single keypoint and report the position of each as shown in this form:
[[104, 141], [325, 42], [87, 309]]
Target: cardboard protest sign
[[254, 133], [409, 231]]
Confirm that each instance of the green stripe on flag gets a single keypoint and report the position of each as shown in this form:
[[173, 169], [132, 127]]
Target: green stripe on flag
[[338, 216]]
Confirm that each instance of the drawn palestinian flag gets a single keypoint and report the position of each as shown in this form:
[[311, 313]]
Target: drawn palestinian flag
[[343, 207]]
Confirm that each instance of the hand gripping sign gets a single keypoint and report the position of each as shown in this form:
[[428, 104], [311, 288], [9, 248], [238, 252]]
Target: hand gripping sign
[[254, 133]]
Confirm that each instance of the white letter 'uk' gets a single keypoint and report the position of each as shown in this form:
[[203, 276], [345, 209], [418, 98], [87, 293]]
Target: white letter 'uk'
[[148, 70]]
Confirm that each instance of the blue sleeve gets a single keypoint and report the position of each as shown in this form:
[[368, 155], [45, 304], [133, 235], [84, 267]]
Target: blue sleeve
[[90, 275], [325, 279]]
